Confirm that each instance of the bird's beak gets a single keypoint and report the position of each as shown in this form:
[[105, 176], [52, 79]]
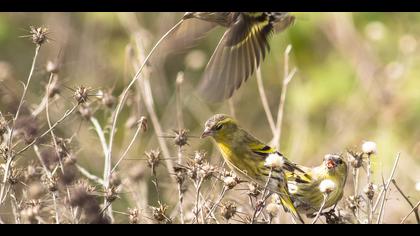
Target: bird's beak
[[207, 132], [330, 164]]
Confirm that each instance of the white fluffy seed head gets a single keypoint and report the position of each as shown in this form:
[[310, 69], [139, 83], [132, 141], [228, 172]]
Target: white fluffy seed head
[[230, 182], [369, 147], [274, 161], [418, 186], [273, 209], [327, 186], [292, 188]]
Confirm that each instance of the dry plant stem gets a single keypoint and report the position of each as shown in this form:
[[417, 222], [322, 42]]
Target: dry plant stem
[[287, 77], [356, 180], [41, 106], [196, 210], [9, 160], [219, 199], [107, 162], [180, 121], [14, 205], [66, 114], [90, 176], [369, 201], [415, 208], [22, 98], [181, 200], [408, 200], [136, 133], [148, 99], [146, 93], [10, 141], [385, 189], [320, 209], [49, 122], [101, 135], [355, 173], [262, 200], [125, 93], [203, 199], [49, 175], [264, 102], [156, 182]]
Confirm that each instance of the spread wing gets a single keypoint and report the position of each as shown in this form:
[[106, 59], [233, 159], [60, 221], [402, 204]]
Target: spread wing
[[240, 51], [185, 36]]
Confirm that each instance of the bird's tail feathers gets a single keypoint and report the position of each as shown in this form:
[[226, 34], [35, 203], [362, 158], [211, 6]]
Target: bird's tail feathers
[[287, 203]]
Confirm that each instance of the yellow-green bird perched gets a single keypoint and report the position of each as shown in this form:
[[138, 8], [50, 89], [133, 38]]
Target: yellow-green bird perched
[[308, 191], [239, 53], [251, 158]]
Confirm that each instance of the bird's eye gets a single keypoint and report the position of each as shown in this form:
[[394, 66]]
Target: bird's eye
[[218, 127], [339, 161]]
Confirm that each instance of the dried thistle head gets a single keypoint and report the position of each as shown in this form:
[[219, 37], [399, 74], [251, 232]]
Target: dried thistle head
[[50, 158], [353, 202], [14, 176], [181, 137], [31, 212], [39, 35], [133, 216], [253, 189], [199, 157], [228, 210], [153, 158], [4, 151], [81, 94], [107, 99], [85, 110], [51, 184], [230, 180], [62, 147], [3, 125], [206, 170], [159, 214], [198, 168], [35, 190], [142, 123], [27, 128], [370, 190], [111, 194], [355, 159], [180, 174], [52, 67], [334, 217], [132, 122], [69, 175], [80, 194], [31, 173]]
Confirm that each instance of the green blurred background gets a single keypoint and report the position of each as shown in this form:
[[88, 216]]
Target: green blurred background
[[357, 80]]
